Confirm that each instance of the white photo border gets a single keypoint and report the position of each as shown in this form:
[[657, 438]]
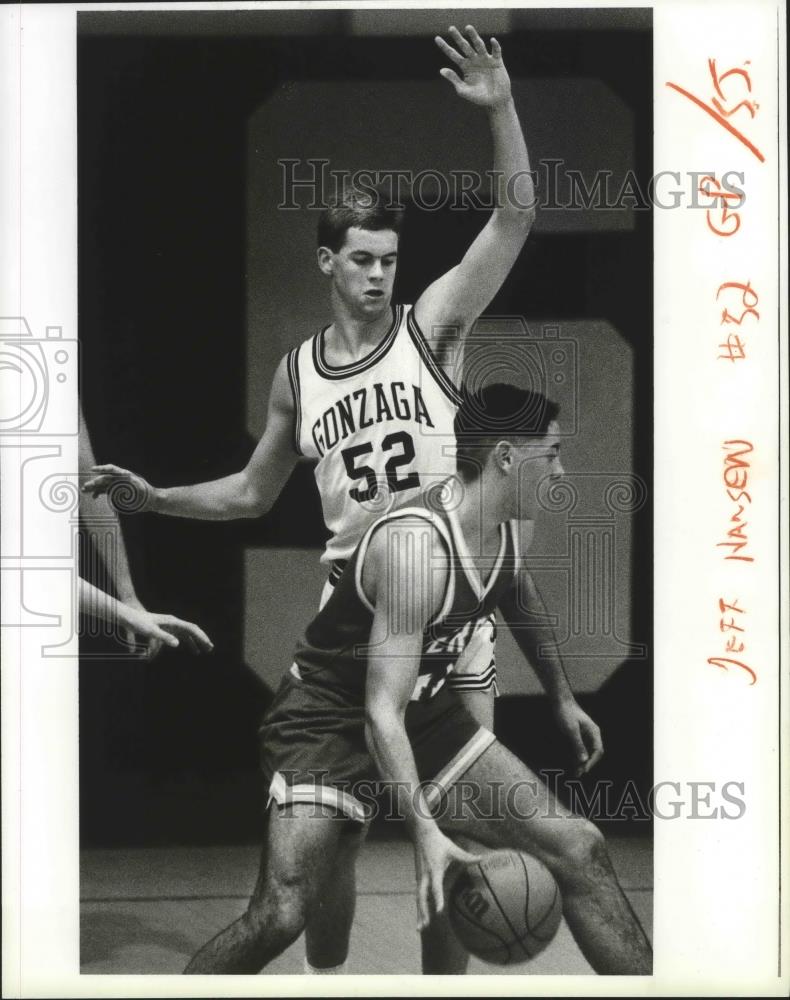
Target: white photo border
[[719, 915]]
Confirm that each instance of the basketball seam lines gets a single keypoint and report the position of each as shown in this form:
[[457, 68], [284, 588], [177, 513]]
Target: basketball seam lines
[[546, 915], [501, 910], [526, 903], [493, 949]]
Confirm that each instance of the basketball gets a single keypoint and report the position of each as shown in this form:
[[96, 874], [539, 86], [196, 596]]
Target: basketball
[[505, 908]]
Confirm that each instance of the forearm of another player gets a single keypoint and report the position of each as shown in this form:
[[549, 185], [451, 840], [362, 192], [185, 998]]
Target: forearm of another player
[[97, 604]]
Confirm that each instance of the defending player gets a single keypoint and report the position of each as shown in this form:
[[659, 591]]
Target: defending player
[[368, 683], [372, 398]]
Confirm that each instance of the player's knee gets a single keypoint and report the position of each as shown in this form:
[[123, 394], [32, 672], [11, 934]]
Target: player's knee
[[282, 909], [580, 853]]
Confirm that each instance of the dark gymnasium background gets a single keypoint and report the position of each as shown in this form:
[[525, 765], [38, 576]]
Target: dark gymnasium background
[[168, 750]]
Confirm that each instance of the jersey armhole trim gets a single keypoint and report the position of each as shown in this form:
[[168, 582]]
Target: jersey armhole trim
[[293, 378], [426, 515], [423, 349]]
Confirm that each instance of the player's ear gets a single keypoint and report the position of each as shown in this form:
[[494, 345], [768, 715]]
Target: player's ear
[[503, 455], [326, 260]]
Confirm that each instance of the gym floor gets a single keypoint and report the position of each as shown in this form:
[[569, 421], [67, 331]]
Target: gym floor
[[148, 910]]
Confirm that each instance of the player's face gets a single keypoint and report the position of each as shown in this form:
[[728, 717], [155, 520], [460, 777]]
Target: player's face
[[536, 459], [363, 270]]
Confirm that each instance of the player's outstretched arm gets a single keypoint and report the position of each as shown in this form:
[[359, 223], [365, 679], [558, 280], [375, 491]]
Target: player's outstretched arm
[[407, 590], [150, 628], [248, 493], [460, 296], [525, 613]]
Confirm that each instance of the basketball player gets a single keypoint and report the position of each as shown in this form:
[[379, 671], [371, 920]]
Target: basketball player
[[368, 685], [371, 398]]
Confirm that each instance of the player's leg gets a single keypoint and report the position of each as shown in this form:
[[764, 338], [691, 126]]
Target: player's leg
[[511, 807], [328, 931], [301, 841], [329, 921], [442, 952]]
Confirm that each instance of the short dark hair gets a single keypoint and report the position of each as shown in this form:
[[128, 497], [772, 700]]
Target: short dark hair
[[493, 412], [364, 208]]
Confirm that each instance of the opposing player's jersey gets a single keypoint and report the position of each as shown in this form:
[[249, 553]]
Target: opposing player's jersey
[[334, 649], [381, 429]]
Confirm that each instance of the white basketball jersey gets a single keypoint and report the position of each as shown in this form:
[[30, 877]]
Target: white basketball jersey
[[381, 428]]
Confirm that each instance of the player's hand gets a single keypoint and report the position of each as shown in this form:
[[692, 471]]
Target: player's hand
[[484, 79], [125, 490], [584, 734], [153, 644], [151, 628], [435, 855]]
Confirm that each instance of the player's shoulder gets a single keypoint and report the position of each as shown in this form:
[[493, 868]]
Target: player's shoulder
[[415, 528], [284, 389], [408, 554], [291, 365]]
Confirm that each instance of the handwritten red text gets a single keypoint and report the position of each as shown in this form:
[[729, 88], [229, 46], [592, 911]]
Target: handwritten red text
[[731, 623], [732, 90], [736, 477]]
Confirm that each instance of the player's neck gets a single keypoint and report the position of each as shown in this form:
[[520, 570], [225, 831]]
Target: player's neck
[[350, 336], [481, 510]]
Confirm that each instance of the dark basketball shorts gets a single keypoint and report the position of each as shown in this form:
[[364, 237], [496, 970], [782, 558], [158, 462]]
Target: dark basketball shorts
[[313, 749]]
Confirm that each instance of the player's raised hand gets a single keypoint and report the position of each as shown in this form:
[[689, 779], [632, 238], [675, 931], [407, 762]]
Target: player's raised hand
[[126, 491], [435, 855], [484, 79]]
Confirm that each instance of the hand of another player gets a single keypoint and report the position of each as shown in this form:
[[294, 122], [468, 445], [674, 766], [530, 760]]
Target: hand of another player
[[153, 629], [435, 855], [484, 79], [125, 490], [153, 643], [584, 734]]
